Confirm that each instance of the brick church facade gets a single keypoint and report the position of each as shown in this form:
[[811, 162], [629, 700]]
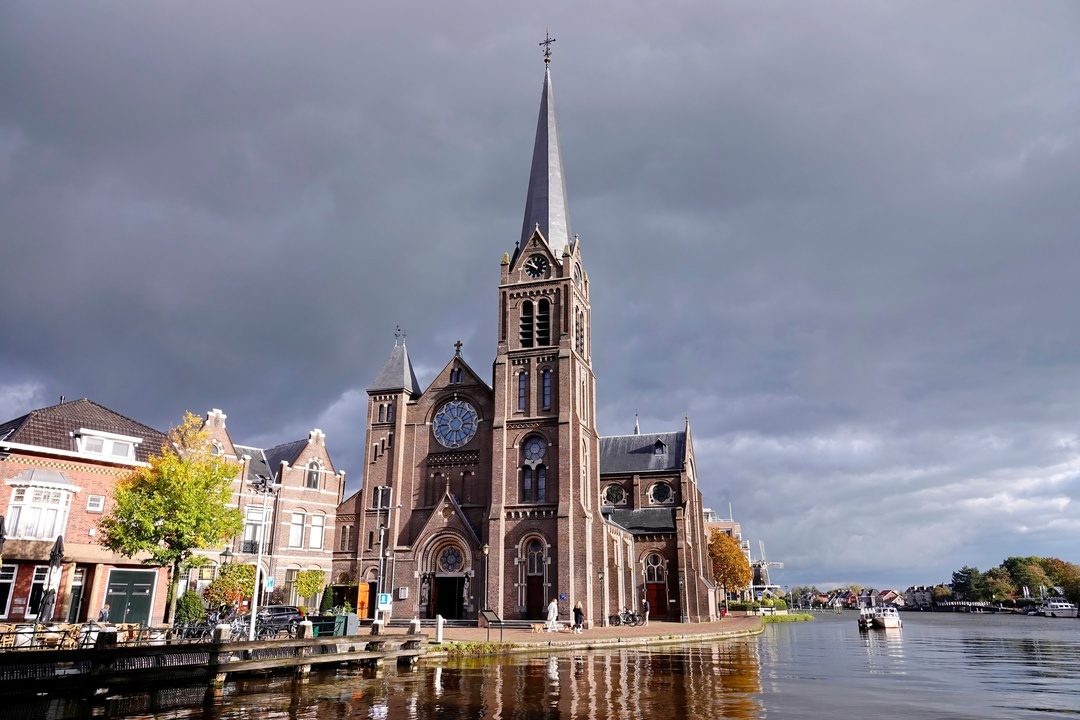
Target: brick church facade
[[504, 496]]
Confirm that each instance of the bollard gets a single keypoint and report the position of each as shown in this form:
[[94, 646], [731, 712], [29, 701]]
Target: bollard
[[377, 627], [414, 626], [305, 629], [438, 629]]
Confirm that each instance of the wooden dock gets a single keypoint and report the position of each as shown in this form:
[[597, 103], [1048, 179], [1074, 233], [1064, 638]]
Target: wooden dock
[[105, 667]]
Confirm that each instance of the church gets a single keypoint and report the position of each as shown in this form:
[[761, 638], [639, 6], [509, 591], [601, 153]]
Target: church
[[503, 496]]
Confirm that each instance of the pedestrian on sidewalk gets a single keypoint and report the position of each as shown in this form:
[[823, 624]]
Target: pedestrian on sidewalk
[[553, 616], [645, 609], [579, 618]]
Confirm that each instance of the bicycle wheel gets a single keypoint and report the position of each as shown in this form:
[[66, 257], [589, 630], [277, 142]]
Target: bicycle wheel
[[615, 620]]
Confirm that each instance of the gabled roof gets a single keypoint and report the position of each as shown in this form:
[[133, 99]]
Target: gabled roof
[[53, 427], [286, 452], [397, 373], [546, 207], [637, 453], [645, 521]]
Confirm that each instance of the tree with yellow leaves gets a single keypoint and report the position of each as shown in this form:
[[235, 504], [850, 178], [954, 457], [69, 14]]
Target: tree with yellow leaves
[[179, 503], [731, 569]]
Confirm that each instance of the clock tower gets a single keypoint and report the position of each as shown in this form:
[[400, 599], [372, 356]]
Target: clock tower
[[543, 521]]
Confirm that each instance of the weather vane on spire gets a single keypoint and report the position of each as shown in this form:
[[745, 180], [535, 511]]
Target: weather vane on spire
[[547, 45]]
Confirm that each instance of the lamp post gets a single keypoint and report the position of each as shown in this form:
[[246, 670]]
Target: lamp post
[[226, 556], [266, 487], [603, 616], [485, 550]]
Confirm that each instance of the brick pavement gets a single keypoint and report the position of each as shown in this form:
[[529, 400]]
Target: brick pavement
[[655, 632]]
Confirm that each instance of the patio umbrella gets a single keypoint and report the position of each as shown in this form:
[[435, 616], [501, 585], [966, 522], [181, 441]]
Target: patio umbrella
[[48, 600]]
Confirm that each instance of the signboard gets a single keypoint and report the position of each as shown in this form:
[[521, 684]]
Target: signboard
[[270, 583], [384, 602]]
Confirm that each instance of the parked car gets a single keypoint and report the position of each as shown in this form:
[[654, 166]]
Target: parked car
[[281, 617]]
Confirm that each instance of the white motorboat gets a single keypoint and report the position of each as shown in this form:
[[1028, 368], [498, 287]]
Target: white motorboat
[[880, 617], [1057, 608]]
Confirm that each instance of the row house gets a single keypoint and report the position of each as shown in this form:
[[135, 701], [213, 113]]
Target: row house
[[58, 468], [288, 528]]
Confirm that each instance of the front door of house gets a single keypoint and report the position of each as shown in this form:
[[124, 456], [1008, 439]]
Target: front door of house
[[130, 595]]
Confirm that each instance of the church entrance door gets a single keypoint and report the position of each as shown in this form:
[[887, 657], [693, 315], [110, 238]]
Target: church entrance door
[[656, 594], [446, 597], [535, 604]]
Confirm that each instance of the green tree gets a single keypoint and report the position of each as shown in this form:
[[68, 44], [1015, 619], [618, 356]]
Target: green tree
[[968, 583], [1027, 572], [309, 583], [999, 584], [178, 504], [941, 593], [731, 569], [232, 584], [189, 608]]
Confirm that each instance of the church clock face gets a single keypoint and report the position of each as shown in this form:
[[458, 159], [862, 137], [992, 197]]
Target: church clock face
[[536, 266], [455, 424], [577, 274]]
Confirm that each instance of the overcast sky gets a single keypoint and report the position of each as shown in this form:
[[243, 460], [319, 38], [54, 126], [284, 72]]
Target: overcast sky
[[841, 236]]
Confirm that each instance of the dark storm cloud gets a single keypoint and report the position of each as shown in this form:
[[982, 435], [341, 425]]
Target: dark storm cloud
[[840, 237]]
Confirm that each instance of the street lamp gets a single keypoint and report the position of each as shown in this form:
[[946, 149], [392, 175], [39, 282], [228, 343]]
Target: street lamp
[[226, 556], [266, 487], [485, 549]]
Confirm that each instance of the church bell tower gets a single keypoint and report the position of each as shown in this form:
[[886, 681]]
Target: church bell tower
[[544, 522]]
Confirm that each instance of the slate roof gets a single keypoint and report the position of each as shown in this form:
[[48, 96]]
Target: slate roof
[[545, 203], [258, 465], [397, 373], [52, 427], [646, 521], [287, 452], [637, 454]]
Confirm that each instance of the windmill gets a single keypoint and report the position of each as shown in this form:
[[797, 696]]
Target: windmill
[[761, 585]]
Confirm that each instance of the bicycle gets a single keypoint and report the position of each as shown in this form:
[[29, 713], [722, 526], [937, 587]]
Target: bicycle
[[627, 618]]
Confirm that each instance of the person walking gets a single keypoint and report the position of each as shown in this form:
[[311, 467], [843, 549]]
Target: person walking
[[103, 616], [579, 618], [553, 616], [645, 610]]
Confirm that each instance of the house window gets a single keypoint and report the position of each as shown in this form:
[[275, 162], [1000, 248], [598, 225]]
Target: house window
[[37, 589], [254, 529], [296, 530], [95, 504], [523, 389], [38, 513], [290, 585], [526, 325], [659, 448], [543, 323], [545, 389], [115, 447], [216, 449], [313, 472], [7, 588], [318, 529]]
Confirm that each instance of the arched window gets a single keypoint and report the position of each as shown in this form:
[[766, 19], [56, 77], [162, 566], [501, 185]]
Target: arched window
[[382, 413], [216, 449], [614, 495], [534, 555], [533, 471], [661, 493], [543, 323], [523, 390], [545, 389], [654, 569], [579, 333], [314, 470], [526, 325], [390, 412]]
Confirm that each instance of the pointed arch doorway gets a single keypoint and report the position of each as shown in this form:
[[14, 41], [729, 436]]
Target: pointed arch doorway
[[446, 590]]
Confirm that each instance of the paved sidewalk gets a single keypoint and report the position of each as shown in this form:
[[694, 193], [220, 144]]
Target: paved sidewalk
[[655, 632]]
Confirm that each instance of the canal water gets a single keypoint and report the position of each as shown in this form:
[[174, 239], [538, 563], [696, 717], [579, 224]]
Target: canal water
[[940, 665]]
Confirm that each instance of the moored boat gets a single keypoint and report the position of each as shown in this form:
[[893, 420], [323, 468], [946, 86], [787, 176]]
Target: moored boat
[[879, 617], [1057, 608]]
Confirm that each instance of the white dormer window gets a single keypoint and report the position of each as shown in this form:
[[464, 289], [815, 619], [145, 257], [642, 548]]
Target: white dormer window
[[108, 445]]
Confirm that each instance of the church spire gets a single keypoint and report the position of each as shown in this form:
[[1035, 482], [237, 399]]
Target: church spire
[[546, 208], [397, 372]]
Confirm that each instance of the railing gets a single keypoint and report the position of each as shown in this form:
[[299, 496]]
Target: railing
[[251, 547], [84, 635]]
